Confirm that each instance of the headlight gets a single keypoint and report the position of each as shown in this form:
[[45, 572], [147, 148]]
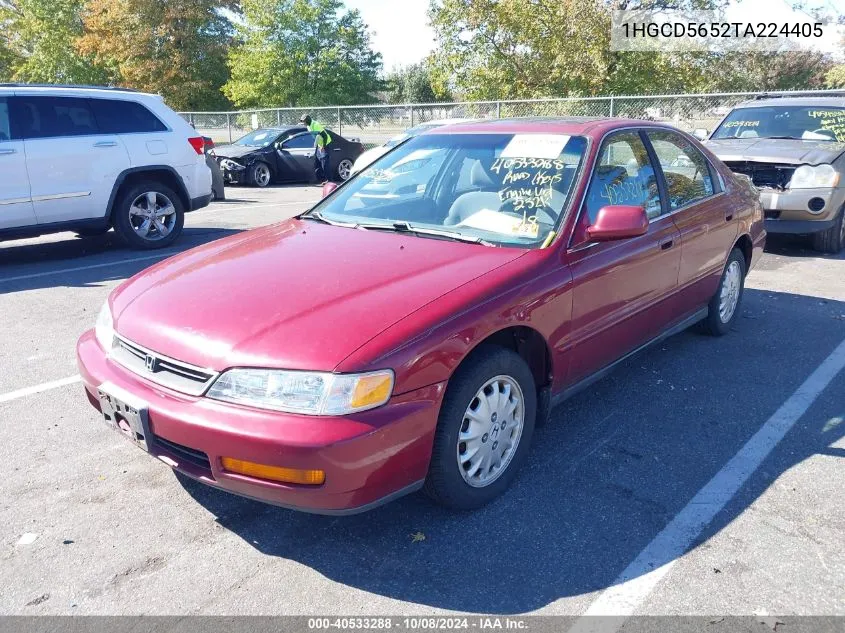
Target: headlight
[[310, 393], [104, 328], [231, 165], [810, 177]]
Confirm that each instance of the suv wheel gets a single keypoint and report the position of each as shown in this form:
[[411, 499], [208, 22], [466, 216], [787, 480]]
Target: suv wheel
[[149, 215], [833, 239], [724, 306], [259, 174], [484, 429]]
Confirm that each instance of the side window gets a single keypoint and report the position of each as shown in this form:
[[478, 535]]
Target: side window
[[124, 117], [45, 117], [623, 175], [300, 141], [687, 172], [5, 127]]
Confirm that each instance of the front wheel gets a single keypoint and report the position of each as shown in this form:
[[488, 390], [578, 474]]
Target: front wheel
[[259, 175], [484, 429], [344, 169], [833, 239], [724, 306]]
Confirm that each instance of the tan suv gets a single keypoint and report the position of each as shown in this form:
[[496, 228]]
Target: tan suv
[[793, 150]]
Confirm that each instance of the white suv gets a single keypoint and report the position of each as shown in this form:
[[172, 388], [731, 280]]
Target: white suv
[[87, 159]]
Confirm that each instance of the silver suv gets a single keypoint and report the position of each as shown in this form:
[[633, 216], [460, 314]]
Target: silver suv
[[793, 150]]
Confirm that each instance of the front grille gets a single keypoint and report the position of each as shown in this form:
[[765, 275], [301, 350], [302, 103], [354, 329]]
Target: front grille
[[763, 175], [190, 455], [162, 370]]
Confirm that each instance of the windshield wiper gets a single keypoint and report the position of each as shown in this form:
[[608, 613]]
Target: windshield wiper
[[407, 227], [319, 217]]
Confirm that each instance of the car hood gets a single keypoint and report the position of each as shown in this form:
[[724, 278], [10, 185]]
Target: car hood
[[789, 151], [234, 151], [296, 295]]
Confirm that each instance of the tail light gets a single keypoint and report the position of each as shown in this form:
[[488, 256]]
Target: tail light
[[198, 143]]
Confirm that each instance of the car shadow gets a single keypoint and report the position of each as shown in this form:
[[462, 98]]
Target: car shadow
[[796, 246], [87, 261], [605, 476]]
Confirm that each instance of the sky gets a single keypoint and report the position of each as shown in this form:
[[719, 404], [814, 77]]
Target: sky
[[403, 36], [401, 39]]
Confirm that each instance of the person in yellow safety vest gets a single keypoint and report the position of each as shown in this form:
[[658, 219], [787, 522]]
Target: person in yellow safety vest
[[322, 164]]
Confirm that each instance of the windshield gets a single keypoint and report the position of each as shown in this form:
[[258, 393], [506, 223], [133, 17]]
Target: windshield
[[503, 189], [816, 123], [259, 138]]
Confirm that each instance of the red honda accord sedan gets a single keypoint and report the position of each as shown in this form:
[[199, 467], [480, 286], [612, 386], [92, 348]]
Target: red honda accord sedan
[[412, 328]]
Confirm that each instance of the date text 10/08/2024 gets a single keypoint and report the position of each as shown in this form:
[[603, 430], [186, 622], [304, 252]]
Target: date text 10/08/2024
[[421, 623]]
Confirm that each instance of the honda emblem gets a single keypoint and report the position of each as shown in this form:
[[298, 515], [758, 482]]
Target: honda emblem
[[150, 363]]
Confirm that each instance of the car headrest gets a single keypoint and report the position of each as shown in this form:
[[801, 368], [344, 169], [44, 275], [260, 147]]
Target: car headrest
[[478, 176]]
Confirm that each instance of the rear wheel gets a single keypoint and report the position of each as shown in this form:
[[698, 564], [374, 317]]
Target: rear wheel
[[833, 239], [484, 429], [259, 175], [724, 306], [344, 169], [148, 215]]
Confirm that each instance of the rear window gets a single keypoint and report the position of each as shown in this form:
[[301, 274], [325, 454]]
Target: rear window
[[125, 117]]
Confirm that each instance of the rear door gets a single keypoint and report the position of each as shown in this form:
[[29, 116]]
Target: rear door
[[15, 204], [622, 290], [148, 141], [703, 215], [72, 165], [296, 157]]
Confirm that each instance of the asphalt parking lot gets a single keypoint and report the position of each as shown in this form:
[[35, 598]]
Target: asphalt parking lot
[[600, 517]]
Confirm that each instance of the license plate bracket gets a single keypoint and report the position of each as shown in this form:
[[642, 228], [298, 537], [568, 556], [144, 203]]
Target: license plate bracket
[[125, 414]]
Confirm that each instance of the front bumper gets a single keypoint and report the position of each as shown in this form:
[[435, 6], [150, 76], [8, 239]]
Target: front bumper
[[369, 458], [788, 211]]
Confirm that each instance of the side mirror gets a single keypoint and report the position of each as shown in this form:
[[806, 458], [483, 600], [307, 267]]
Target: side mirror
[[700, 133], [279, 144], [618, 222], [328, 188]]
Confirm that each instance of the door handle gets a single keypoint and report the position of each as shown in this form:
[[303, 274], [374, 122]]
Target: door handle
[[309, 155], [665, 246], [8, 151], [105, 144], [729, 217]]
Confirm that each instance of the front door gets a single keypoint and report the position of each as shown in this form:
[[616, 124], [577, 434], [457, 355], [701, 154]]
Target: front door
[[296, 158], [72, 166], [15, 204], [622, 290]]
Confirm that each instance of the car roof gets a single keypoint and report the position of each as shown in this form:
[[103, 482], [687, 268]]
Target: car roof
[[72, 90], [793, 101], [580, 126]]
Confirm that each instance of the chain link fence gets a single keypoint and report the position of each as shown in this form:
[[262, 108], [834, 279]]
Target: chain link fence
[[374, 124]]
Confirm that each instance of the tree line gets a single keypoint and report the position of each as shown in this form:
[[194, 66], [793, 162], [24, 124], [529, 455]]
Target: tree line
[[219, 54]]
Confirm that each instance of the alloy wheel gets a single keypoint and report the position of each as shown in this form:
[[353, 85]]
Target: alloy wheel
[[262, 175], [152, 216], [344, 169]]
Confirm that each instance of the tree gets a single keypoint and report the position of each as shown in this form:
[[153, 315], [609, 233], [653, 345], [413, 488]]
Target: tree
[[301, 52], [38, 43], [176, 48], [767, 71], [413, 84], [836, 77]]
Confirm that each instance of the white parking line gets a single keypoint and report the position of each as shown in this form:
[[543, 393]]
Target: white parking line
[[44, 386], [159, 255], [633, 585]]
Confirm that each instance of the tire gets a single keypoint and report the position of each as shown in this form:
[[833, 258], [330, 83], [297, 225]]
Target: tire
[[833, 239], [487, 370], [721, 315], [130, 215], [344, 170], [260, 175]]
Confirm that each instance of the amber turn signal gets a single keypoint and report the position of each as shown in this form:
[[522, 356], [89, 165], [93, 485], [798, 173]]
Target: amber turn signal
[[274, 473]]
